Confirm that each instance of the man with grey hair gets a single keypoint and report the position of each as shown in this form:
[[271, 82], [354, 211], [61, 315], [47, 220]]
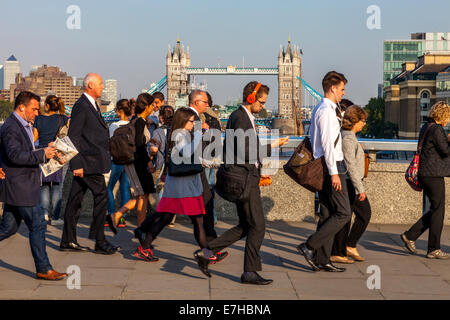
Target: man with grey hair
[[89, 133]]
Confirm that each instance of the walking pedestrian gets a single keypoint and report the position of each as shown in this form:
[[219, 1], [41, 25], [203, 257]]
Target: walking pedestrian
[[326, 141], [182, 194], [46, 128], [434, 165], [344, 247]]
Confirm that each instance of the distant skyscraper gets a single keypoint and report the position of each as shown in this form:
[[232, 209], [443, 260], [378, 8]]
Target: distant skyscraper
[[1, 76], [110, 92], [11, 69]]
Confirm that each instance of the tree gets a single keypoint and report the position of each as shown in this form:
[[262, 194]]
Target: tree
[[6, 108], [376, 126]]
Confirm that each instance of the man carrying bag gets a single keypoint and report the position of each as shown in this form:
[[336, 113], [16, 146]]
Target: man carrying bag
[[243, 159]]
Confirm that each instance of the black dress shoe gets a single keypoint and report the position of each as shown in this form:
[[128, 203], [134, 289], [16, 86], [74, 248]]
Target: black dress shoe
[[72, 246], [202, 262], [254, 278], [330, 268], [111, 224], [310, 256], [104, 247]]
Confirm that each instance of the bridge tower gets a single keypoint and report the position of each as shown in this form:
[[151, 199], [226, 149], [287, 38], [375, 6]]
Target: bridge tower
[[289, 67], [177, 60]]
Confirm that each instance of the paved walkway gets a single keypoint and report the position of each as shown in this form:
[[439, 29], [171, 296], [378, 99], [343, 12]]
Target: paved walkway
[[176, 276]]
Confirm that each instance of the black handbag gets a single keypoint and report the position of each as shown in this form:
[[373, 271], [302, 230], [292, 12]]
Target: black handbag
[[232, 184], [182, 169]]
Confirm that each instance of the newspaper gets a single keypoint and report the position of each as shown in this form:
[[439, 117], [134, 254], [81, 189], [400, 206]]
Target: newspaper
[[66, 151]]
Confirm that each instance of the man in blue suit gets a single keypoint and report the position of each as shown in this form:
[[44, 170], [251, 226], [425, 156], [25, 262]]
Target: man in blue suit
[[20, 190]]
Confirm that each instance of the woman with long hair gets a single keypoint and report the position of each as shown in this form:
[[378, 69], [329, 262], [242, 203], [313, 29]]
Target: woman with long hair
[[46, 127], [141, 180], [182, 194]]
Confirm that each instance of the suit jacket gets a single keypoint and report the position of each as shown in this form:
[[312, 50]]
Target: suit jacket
[[20, 164], [248, 153], [89, 133]]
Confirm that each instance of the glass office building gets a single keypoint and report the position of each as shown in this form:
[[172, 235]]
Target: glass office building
[[396, 52]]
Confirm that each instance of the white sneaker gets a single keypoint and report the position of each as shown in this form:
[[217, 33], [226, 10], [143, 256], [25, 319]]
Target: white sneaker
[[59, 222]]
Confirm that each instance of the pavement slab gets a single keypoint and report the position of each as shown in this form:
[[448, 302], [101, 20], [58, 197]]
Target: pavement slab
[[176, 275]]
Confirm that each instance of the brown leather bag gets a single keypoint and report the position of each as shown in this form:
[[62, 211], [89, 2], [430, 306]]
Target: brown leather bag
[[304, 169]]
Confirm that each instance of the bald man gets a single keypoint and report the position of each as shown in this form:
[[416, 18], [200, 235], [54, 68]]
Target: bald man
[[89, 133]]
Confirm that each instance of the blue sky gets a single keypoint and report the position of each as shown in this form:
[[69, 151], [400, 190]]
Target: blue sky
[[128, 40]]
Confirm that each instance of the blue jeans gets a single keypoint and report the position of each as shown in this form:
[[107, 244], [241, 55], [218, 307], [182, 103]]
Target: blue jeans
[[118, 174], [35, 221], [51, 193]]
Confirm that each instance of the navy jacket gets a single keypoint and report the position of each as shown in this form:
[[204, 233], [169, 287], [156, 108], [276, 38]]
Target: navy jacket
[[89, 134], [21, 165]]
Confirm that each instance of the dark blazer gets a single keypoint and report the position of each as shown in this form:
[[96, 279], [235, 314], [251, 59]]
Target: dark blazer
[[89, 133], [244, 153], [434, 159], [20, 164]]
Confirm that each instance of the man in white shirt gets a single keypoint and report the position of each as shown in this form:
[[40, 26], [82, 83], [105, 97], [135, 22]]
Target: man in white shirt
[[326, 141]]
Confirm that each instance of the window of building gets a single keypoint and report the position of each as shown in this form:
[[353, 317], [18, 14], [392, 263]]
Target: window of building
[[425, 100]]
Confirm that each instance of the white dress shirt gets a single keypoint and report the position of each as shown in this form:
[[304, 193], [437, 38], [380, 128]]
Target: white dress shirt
[[325, 128], [252, 120], [92, 100]]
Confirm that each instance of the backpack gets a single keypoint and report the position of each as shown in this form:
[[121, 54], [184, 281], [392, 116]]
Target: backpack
[[123, 143]]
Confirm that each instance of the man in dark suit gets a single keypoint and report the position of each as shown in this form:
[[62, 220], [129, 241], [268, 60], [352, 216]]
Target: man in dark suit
[[245, 158], [20, 190], [89, 134]]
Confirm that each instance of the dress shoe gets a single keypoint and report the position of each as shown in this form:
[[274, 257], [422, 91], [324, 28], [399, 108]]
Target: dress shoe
[[111, 224], [330, 268], [72, 246], [310, 256], [341, 259], [409, 244], [51, 275], [202, 262], [254, 278], [354, 254], [104, 247]]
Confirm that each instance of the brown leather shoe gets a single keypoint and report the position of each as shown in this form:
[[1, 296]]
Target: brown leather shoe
[[340, 259], [354, 254], [51, 275]]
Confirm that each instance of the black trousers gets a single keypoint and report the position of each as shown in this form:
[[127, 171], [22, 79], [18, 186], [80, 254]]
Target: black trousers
[[434, 188], [95, 183], [347, 237], [208, 200], [251, 225], [332, 220]]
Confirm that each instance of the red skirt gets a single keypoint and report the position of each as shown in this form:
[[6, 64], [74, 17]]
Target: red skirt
[[190, 206]]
